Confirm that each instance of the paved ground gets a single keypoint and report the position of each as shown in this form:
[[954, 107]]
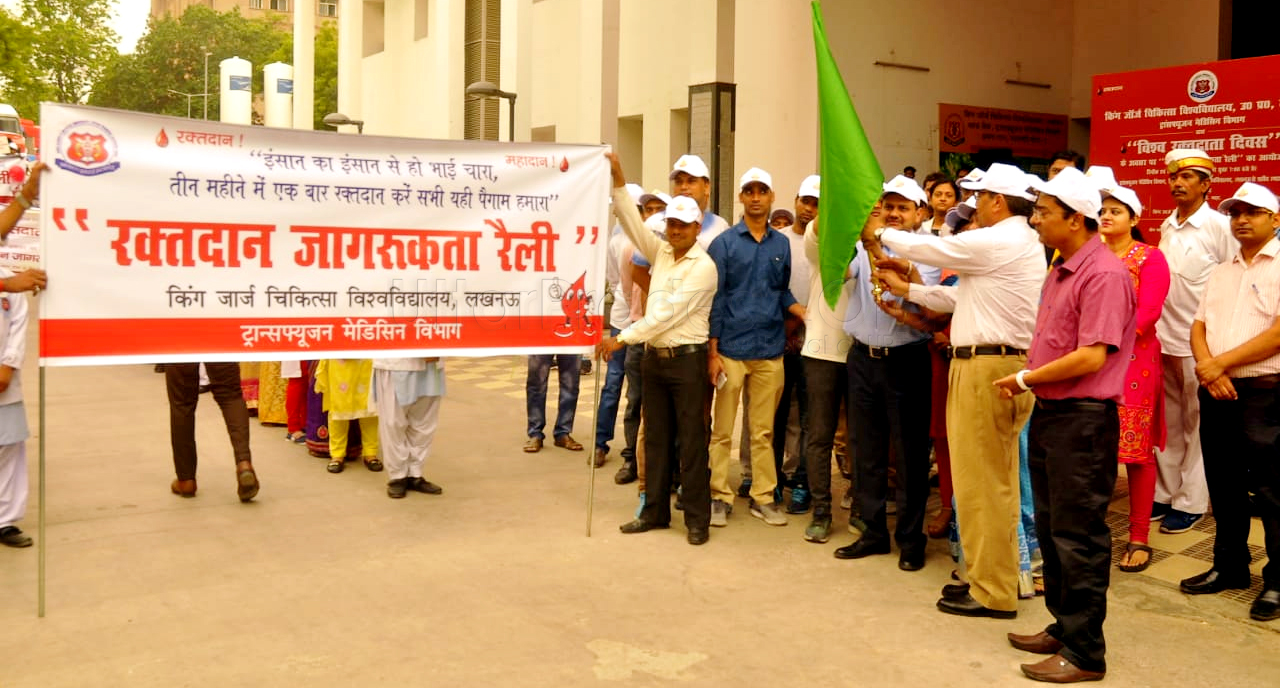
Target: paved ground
[[324, 581]]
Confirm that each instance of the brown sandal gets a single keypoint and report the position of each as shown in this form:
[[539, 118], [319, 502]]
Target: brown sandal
[[1129, 551], [938, 527]]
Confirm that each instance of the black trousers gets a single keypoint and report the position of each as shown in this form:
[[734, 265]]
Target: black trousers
[[182, 380], [635, 387], [1240, 439], [676, 433], [793, 392], [1071, 452], [826, 383], [888, 413]]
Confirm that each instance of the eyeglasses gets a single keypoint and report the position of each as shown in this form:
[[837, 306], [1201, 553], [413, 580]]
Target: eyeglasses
[[1251, 212]]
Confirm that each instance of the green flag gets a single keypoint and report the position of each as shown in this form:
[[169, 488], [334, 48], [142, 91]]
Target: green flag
[[851, 176]]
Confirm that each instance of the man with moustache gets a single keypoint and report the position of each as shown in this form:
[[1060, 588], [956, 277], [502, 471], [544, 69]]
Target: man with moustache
[[888, 373], [674, 331], [1194, 239]]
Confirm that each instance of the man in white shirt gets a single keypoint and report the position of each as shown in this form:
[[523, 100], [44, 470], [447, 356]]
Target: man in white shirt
[[1194, 239], [675, 330], [1001, 267]]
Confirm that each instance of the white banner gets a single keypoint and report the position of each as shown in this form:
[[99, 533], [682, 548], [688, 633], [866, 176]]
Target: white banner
[[170, 239]]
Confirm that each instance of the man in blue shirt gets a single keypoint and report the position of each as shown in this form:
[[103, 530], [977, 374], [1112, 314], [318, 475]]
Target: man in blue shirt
[[747, 341], [889, 394]]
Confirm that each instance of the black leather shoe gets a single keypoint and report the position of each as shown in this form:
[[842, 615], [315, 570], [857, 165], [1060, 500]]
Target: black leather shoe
[[421, 484], [640, 526], [698, 536], [955, 591], [967, 606], [12, 536], [862, 548], [911, 561], [1266, 607], [1213, 581], [626, 474]]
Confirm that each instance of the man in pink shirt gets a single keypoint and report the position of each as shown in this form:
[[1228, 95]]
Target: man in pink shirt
[[1076, 365]]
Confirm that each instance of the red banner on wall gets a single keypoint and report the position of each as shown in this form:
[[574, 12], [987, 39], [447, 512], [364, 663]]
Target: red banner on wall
[[1228, 109], [971, 129]]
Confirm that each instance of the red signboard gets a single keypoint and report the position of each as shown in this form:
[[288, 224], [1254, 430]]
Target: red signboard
[[972, 129], [1228, 109]]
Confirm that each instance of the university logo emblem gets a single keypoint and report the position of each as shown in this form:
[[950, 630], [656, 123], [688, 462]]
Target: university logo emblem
[[87, 148], [1202, 86], [953, 131]]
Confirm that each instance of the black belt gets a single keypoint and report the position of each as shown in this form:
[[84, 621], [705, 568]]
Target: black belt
[[882, 351], [985, 350], [1259, 382], [673, 351], [1075, 404]]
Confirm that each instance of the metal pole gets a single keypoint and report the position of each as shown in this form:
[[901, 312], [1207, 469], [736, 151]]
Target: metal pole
[[40, 531], [591, 458], [511, 119], [206, 85]]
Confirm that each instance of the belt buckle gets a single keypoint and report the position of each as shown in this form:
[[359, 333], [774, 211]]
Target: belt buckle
[[871, 351]]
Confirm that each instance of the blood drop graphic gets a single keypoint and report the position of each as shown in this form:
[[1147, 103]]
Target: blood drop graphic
[[564, 164], [162, 139]]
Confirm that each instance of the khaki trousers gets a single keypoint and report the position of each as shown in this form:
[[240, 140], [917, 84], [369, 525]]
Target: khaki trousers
[[763, 381], [983, 432]]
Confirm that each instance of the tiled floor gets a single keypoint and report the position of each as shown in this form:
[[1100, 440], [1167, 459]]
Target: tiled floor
[[1174, 557]]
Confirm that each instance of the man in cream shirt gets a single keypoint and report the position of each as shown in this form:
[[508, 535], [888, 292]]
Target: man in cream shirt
[[675, 330]]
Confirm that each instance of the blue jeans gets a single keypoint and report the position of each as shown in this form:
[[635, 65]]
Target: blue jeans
[[535, 392], [607, 414]]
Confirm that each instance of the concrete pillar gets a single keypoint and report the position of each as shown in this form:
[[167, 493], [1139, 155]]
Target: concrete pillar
[[304, 63], [351, 58]]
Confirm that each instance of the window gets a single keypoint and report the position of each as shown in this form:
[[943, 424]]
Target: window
[[327, 8], [255, 4], [280, 5]]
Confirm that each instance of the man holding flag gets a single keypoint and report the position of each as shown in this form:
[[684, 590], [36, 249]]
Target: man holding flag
[[1001, 267]]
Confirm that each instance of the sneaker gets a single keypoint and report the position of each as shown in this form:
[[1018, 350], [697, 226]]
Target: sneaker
[[799, 503], [298, 437], [720, 513], [744, 490], [819, 529], [846, 502], [1159, 511], [679, 505], [1179, 522], [769, 513], [856, 525]]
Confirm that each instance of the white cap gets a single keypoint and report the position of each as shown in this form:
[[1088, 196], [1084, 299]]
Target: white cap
[[1076, 192], [657, 223], [1252, 194], [755, 174], [691, 165], [1180, 159], [684, 209], [809, 187], [959, 215], [907, 188], [1002, 179], [650, 195], [636, 192], [975, 175], [1104, 178]]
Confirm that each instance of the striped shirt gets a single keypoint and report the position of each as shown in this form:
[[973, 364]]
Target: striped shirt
[[1240, 302]]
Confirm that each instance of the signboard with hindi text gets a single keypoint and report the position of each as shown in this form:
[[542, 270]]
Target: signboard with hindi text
[[1229, 109], [170, 239]]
